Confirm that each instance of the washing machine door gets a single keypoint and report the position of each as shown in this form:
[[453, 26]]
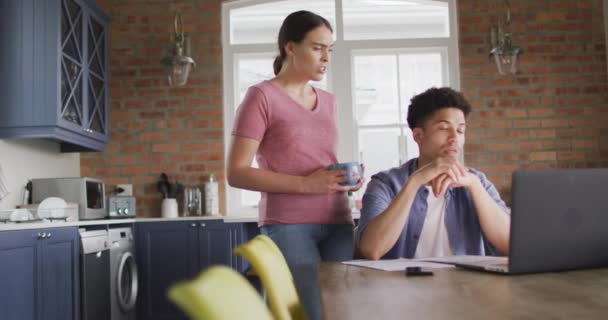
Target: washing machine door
[[127, 282]]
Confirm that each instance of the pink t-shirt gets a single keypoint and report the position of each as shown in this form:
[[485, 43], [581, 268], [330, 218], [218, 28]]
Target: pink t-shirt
[[293, 141]]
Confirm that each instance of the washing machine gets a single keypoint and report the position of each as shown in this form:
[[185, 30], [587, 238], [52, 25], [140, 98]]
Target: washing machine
[[123, 274]]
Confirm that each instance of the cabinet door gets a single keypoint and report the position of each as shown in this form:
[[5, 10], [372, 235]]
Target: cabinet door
[[96, 121], [59, 290], [218, 239], [18, 275], [167, 252]]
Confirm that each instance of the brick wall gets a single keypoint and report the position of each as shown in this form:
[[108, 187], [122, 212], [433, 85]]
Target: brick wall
[[553, 113], [155, 128]]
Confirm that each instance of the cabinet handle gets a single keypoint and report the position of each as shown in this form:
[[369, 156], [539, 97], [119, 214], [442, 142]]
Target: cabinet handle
[[42, 235], [39, 235], [48, 235], [193, 225], [203, 225]]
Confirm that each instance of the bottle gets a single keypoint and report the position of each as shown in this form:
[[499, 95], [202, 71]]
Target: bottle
[[212, 201]]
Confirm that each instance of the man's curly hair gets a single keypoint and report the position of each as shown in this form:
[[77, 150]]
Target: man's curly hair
[[423, 105]]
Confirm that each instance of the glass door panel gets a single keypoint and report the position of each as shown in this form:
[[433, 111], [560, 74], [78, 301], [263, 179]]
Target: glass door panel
[[71, 86], [96, 103]]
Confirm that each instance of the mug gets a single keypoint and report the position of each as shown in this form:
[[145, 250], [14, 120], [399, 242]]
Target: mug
[[352, 169]]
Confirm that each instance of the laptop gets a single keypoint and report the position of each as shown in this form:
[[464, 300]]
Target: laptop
[[559, 221]]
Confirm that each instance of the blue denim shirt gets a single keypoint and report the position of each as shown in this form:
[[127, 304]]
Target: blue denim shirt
[[461, 221]]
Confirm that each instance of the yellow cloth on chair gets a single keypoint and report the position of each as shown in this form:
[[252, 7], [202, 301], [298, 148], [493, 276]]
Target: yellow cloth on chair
[[219, 293], [270, 265]]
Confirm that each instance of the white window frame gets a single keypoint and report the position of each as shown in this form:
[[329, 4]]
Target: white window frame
[[340, 78]]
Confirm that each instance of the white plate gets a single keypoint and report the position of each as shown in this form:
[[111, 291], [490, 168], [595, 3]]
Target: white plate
[[52, 207]]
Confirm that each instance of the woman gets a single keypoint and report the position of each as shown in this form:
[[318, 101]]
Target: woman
[[291, 127]]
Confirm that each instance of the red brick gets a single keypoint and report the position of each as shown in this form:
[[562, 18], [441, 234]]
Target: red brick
[[153, 158], [543, 156], [153, 136], [570, 155], [165, 147], [119, 160], [585, 144], [209, 156]]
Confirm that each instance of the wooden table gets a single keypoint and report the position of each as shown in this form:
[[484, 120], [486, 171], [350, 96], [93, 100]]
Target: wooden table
[[349, 292]]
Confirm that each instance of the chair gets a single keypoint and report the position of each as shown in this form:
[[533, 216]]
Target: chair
[[219, 293], [271, 267]]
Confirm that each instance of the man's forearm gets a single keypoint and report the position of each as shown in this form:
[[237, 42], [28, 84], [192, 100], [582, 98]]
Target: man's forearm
[[383, 231], [494, 222]]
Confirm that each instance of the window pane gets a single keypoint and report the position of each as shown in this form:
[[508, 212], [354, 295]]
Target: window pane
[[395, 19], [384, 148], [261, 23], [379, 150], [418, 72], [376, 89]]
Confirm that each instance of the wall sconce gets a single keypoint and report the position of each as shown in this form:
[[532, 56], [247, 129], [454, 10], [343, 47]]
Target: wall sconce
[[177, 65], [504, 52]]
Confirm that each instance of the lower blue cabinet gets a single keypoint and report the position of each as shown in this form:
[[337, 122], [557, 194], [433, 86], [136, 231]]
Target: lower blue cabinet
[[39, 274], [168, 252]]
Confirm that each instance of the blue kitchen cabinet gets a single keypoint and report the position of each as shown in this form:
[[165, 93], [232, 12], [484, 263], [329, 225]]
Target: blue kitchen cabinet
[[168, 252], [54, 72], [217, 242], [39, 274]]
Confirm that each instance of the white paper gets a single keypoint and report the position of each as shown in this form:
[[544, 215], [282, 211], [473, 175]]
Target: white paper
[[395, 264]]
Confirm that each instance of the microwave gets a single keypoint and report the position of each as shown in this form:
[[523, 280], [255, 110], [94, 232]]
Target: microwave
[[88, 193]]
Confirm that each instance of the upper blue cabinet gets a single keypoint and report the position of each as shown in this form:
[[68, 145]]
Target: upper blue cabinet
[[54, 72]]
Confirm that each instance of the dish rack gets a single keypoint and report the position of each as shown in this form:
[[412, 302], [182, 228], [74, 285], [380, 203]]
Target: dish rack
[[31, 213]]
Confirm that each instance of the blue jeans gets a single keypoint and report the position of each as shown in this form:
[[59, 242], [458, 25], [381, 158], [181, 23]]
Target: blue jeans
[[304, 247]]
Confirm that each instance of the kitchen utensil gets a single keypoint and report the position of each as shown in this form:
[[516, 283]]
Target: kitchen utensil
[[192, 200], [177, 189], [162, 188], [165, 179]]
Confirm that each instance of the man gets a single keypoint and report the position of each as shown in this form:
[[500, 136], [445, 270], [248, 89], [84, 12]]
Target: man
[[433, 205]]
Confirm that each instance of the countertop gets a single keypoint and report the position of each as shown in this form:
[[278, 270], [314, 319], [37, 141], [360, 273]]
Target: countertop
[[84, 223]]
